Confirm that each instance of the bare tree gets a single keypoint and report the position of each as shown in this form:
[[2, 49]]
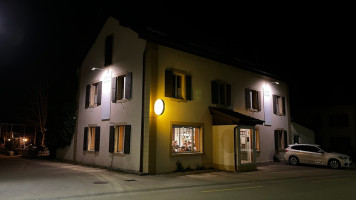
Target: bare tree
[[39, 109]]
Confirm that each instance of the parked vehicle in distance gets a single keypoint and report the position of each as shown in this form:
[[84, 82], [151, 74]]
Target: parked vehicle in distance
[[316, 155]]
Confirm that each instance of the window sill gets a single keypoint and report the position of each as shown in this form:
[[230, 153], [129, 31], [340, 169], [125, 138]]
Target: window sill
[[177, 100], [122, 101], [184, 154], [119, 154]]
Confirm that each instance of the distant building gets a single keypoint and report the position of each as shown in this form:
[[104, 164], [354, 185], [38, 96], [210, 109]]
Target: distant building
[[209, 114], [302, 134]]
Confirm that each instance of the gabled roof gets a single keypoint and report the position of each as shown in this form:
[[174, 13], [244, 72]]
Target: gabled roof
[[223, 116]]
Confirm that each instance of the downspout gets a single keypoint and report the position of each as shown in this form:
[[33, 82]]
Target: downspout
[[235, 145], [143, 109]]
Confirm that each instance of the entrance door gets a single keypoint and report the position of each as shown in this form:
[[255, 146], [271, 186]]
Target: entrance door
[[246, 145]]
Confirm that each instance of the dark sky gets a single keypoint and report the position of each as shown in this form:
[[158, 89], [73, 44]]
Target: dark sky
[[311, 45]]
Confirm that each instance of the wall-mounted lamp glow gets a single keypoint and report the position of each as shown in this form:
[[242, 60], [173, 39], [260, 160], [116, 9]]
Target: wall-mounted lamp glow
[[159, 107], [276, 82], [95, 68]]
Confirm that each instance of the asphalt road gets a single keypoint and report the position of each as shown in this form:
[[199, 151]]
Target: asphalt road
[[22, 178]]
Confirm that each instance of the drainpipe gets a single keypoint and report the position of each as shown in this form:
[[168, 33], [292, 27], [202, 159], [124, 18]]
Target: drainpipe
[[235, 145], [143, 109]]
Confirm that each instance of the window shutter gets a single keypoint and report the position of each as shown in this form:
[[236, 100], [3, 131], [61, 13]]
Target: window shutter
[[169, 87], [284, 105], [259, 100], [274, 104], [98, 101], [228, 95], [97, 138], [188, 87], [127, 139], [111, 139], [247, 98], [276, 141], [128, 85], [87, 96], [285, 139], [85, 142], [113, 89], [120, 87], [214, 92], [108, 50]]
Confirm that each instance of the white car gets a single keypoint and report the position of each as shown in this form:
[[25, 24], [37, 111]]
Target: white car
[[314, 154]]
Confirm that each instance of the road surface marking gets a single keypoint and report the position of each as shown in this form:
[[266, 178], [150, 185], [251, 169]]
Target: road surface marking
[[329, 180], [230, 189]]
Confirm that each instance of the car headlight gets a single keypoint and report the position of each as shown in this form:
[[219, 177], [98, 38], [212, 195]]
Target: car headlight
[[343, 157]]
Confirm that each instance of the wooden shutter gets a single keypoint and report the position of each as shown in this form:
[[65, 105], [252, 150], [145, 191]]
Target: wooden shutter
[[120, 87], [127, 139], [128, 85], [274, 104], [87, 96], [85, 141], [112, 139], [285, 139], [188, 87], [247, 98], [113, 89], [276, 141], [108, 50], [259, 100], [228, 95], [169, 84], [98, 100], [97, 138], [284, 105], [214, 92]]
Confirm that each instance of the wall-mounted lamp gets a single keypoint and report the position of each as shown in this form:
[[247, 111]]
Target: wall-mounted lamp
[[276, 82], [159, 107], [96, 68]]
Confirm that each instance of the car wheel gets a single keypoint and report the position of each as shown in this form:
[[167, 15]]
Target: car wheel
[[334, 164], [293, 160]]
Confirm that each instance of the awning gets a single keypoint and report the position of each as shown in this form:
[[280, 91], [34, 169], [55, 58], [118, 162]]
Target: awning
[[222, 116]]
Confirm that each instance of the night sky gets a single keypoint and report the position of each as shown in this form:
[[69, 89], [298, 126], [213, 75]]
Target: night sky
[[310, 46]]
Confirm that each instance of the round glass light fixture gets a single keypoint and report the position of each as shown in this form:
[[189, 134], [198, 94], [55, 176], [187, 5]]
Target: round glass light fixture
[[159, 107]]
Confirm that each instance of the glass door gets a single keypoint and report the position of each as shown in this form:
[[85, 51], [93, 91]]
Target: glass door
[[246, 145]]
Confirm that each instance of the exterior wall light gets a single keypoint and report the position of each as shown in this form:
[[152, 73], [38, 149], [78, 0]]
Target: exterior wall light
[[159, 107], [96, 68]]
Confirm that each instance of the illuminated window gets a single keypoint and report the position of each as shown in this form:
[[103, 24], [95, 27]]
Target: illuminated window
[[278, 105], [186, 139], [280, 140], [253, 99], [178, 85], [119, 139], [121, 87], [221, 93], [257, 131], [91, 138], [93, 95]]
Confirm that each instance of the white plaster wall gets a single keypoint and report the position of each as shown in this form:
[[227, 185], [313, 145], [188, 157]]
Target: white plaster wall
[[223, 146], [203, 71], [306, 135], [127, 57]]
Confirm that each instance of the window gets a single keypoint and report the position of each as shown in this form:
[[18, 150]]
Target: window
[[119, 139], [178, 85], [257, 131], [121, 87], [220, 93], [339, 120], [91, 138], [93, 95], [280, 140], [279, 105], [108, 50], [186, 139], [296, 139], [253, 99]]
